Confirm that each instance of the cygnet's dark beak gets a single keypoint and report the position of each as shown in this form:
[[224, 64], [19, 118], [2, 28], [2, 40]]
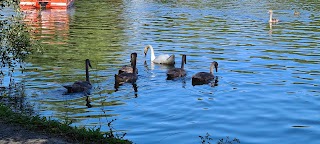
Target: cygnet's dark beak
[[216, 66], [90, 65]]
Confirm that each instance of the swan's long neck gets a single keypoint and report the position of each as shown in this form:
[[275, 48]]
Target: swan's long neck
[[152, 53], [182, 64], [270, 19], [183, 61], [211, 68], [134, 65], [87, 71]]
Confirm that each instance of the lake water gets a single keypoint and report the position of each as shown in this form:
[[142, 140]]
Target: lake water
[[268, 77]]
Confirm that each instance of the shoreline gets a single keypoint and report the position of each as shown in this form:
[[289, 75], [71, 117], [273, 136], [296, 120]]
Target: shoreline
[[20, 128]]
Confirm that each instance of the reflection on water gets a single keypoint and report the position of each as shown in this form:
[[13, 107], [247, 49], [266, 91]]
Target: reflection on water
[[266, 89], [134, 86], [270, 28], [49, 25], [88, 102], [151, 66]]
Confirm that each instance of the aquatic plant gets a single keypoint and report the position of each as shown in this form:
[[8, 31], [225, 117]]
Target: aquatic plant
[[207, 138], [228, 141]]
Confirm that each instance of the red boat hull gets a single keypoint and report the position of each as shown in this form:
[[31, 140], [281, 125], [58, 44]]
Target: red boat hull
[[50, 4]]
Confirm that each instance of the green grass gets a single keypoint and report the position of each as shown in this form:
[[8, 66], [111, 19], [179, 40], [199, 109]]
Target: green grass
[[73, 134]]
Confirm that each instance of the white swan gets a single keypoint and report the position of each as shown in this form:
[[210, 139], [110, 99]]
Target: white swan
[[272, 20], [161, 59]]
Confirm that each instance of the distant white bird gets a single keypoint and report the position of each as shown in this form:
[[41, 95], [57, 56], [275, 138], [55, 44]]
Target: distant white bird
[[161, 59], [296, 13], [272, 20]]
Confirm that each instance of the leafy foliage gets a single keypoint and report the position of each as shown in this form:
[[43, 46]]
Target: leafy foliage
[[15, 40], [4, 3]]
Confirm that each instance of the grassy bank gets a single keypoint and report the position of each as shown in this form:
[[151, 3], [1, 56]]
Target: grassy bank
[[53, 127]]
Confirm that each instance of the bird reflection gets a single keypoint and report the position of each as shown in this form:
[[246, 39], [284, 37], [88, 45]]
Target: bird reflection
[[88, 101], [183, 80], [146, 66], [270, 28], [134, 86], [215, 82], [178, 80], [161, 66], [152, 66]]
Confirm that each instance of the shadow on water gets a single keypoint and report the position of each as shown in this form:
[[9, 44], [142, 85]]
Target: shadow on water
[[182, 80]]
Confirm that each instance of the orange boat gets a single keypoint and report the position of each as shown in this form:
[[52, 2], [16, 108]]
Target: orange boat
[[50, 4]]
